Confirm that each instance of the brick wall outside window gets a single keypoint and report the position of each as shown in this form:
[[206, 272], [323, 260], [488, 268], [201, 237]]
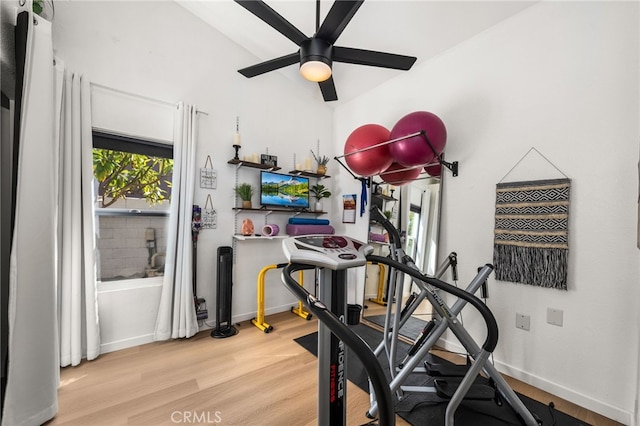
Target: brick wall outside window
[[122, 248]]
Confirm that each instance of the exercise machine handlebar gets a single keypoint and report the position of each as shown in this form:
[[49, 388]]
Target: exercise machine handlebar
[[352, 340], [492, 326], [394, 235]]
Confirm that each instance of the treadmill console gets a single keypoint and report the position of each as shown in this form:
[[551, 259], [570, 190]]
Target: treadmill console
[[326, 251]]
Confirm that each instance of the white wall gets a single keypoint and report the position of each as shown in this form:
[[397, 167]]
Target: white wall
[[160, 51], [128, 311], [561, 77]]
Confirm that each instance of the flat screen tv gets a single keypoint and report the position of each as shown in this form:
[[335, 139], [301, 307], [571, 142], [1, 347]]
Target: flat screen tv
[[284, 190]]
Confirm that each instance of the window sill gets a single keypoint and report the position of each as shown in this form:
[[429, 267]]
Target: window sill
[[130, 212], [131, 284]]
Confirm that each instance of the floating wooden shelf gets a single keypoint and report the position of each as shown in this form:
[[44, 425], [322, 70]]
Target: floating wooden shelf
[[308, 174], [258, 237], [278, 210], [384, 197], [253, 165], [378, 243]]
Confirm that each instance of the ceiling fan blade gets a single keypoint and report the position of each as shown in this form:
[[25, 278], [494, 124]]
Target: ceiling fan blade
[[273, 19], [270, 65], [337, 19], [328, 90], [375, 59]]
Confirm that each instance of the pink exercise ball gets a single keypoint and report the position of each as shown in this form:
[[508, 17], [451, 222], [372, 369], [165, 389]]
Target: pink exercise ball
[[372, 161], [401, 177], [415, 151], [434, 170]]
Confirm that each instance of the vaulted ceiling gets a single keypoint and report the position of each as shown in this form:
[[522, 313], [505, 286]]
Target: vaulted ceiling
[[421, 28]]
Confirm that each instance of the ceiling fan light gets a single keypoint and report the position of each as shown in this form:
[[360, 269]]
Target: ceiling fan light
[[315, 70], [315, 59]]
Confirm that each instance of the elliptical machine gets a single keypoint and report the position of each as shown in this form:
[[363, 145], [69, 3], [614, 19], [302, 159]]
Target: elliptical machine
[[445, 317], [334, 255]]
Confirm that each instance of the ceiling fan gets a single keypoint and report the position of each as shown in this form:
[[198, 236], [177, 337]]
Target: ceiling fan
[[317, 53]]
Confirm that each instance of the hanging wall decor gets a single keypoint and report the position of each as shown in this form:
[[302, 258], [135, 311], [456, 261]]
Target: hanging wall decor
[[531, 232], [208, 175], [209, 215]]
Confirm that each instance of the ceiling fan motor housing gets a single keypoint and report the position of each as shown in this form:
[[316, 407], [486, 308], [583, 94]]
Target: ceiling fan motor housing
[[315, 49]]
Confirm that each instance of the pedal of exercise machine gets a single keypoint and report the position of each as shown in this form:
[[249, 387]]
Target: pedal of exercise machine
[[446, 387], [445, 370], [448, 378]]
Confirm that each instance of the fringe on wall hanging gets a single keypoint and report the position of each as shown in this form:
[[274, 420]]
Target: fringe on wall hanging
[[531, 232]]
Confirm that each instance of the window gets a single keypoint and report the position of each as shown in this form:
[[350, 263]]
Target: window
[[412, 230], [132, 180]]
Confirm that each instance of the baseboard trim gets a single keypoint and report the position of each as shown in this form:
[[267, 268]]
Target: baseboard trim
[[585, 401], [125, 343]]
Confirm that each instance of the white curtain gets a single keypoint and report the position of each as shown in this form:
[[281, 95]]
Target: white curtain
[[33, 373], [77, 293], [177, 315]]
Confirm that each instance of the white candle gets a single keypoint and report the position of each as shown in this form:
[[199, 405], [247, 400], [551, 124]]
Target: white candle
[[254, 158], [236, 139], [298, 166], [307, 163]]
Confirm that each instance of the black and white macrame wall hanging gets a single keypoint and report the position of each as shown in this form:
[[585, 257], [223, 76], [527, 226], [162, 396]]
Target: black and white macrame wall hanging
[[531, 232]]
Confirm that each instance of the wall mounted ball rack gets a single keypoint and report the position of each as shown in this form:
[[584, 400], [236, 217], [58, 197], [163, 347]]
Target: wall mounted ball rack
[[452, 166]]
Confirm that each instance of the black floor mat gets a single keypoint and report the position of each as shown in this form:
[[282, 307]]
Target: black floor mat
[[411, 329], [419, 409]]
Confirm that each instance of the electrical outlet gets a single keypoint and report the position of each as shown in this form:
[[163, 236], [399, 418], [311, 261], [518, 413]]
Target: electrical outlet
[[555, 316], [523, 322]]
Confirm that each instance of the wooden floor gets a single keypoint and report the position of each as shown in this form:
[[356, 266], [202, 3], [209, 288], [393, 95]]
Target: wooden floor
[[252, 378]]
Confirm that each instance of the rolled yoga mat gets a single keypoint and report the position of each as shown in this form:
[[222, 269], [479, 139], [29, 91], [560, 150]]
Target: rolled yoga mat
[[270, 230], [307, 221], [309, 229]]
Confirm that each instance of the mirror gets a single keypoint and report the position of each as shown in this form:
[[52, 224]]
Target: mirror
[[414, 209]]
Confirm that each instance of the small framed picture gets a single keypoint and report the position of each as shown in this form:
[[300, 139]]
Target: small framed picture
[[208, 175], [209, 219], [349, 208], [208, 178], [269, 160], [209, 215]]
